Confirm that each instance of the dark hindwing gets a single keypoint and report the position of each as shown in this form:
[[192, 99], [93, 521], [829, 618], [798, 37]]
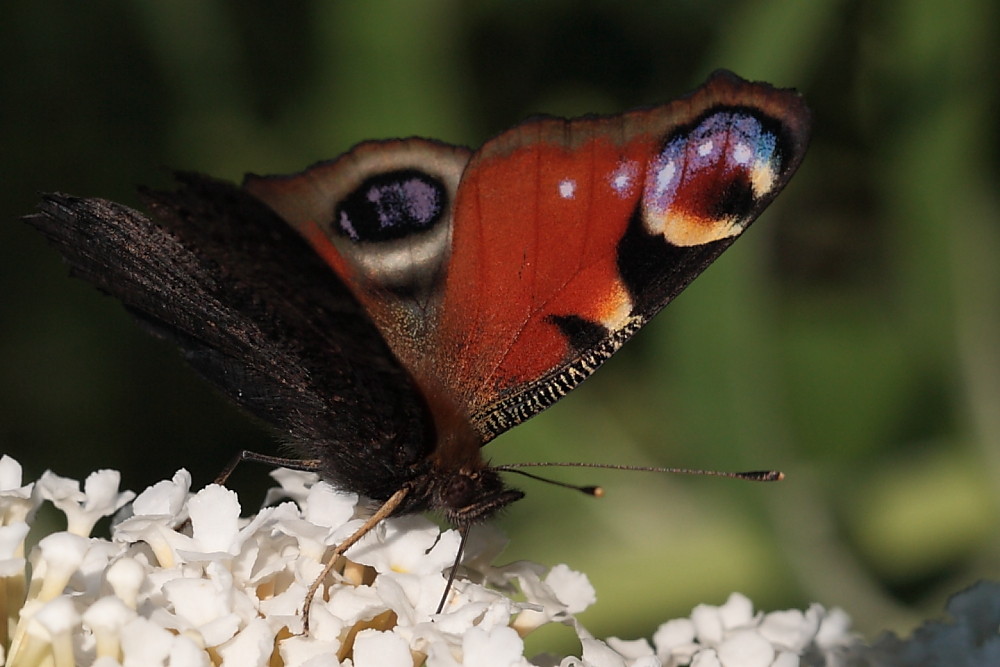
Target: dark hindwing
[[257, 313]]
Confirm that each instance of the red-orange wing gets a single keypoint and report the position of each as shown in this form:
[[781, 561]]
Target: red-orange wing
[[569, 235]]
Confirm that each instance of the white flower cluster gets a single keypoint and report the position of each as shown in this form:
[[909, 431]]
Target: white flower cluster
[[184, 580]]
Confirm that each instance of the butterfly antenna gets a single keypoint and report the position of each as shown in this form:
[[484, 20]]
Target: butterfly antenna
[[750, 476]]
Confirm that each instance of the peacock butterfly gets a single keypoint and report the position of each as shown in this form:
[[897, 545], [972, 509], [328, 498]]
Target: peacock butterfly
[[393, 310]]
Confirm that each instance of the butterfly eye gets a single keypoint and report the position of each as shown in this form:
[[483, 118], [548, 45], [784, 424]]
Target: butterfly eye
[[459, 492], [391, 205]]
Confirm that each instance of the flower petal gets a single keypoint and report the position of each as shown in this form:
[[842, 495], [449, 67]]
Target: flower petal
[[373, 648]]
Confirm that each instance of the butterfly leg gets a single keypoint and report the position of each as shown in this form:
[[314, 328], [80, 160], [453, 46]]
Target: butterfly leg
[[387, 508], [307, 465]]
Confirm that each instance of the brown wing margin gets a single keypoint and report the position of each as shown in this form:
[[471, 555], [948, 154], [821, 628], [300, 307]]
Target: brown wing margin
[[257, 313]]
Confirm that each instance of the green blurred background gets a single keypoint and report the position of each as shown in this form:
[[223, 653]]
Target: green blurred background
[[851, 339]]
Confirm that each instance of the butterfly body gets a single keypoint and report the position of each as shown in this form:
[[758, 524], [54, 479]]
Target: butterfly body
[[395, 309]]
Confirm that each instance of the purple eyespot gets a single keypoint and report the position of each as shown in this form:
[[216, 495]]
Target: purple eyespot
[[390, 206]]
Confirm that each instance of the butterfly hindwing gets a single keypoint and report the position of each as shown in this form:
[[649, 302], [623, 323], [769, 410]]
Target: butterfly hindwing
[[258, 314], [381, 216]]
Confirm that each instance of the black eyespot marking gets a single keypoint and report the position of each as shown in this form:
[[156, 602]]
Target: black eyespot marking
[[735, 197], [581, 333], [390, 206]]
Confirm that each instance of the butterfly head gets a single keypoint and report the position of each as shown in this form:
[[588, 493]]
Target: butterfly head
[[468, 497]]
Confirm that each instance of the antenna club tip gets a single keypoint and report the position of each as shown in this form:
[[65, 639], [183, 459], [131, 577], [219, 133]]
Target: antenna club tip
[[596, 491], [762, 476]]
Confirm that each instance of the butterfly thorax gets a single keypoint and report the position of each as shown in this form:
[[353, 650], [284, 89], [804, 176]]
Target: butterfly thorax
[[457, 482]]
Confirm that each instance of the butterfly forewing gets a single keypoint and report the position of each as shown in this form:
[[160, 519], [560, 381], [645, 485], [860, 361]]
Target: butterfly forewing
[[574, 233]]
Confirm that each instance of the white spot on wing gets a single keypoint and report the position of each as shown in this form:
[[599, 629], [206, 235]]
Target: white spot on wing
[[567, 188], [664, 177], [622, 179], [705, 148], [742, 153]]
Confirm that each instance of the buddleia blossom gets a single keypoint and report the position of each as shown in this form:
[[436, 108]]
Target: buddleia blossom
[[186, 579]]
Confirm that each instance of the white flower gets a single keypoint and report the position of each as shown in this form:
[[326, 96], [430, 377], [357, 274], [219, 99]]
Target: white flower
[[498, 647], [125, 575], [560, 595], [12, 548], [409, 545], [186, 580], [156, 512], [56, 558], [164, 498], [99, 498], [52, 626], [17, 502], [215, 520], [633, 650], [105, 619], [733, 635], [711, 624], [293, 484], [792, 629], [252, 647], [381, 649], [746, 648], [17, 507]]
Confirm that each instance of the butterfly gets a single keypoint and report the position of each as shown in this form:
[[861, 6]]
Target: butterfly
[[391, 311]]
